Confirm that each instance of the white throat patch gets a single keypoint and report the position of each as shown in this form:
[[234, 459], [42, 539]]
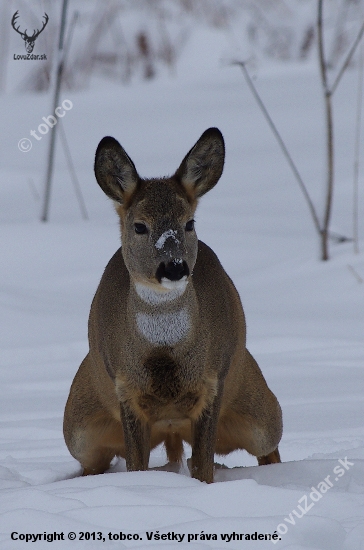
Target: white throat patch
[[164, 329], [169, 291]]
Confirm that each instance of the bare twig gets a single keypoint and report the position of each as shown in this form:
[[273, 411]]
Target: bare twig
[[52, 142], [34, 190], [76, 183], [355, 273], [357, 152], [329, 136], [348, 59], [321, 47], [338, 238], [281, 144]]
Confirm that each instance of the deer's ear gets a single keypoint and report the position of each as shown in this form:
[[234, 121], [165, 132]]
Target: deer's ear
[[202, 167], [115, 171]]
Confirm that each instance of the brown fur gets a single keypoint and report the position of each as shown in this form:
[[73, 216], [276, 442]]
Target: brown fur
[[164, 369]]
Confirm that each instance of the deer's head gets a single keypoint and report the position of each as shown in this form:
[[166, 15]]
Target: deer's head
[[159, 242], [28, 40]]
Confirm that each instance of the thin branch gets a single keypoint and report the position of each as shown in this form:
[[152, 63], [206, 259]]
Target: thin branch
[[34, 190], [76, 183], [281, 144], [338, 238], [348, 59], [355, 273], [56, 93], [358, 117], [329, 135], [321, 48]]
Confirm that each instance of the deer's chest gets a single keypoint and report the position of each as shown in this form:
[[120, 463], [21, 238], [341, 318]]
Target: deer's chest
[[164, 329]]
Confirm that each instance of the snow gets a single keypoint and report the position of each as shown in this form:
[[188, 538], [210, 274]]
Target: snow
[[305, 318], [170, 233]]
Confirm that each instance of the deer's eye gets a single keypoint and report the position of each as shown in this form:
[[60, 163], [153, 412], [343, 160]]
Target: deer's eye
[[140, 228], [190, 225]]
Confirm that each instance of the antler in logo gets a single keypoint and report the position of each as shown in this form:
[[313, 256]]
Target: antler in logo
[[29, 40]]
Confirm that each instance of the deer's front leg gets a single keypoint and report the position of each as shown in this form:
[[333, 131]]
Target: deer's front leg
[[137, 440], [204, 439]]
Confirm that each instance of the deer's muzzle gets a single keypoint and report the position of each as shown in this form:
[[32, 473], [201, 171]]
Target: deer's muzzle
[[174, 270]]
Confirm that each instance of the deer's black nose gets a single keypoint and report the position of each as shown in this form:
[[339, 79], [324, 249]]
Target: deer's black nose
[[174, 270]]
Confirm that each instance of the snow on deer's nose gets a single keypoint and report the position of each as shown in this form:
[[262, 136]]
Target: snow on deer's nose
[[173, 268], [169, 234], [171, 246]]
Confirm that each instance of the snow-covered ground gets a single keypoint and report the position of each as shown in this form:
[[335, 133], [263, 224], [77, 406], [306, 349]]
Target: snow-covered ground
[[305, 318]]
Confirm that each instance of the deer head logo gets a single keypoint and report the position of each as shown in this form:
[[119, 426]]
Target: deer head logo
[[28, 40]]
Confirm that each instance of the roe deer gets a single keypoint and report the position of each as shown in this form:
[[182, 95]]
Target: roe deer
[[168, 359]]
